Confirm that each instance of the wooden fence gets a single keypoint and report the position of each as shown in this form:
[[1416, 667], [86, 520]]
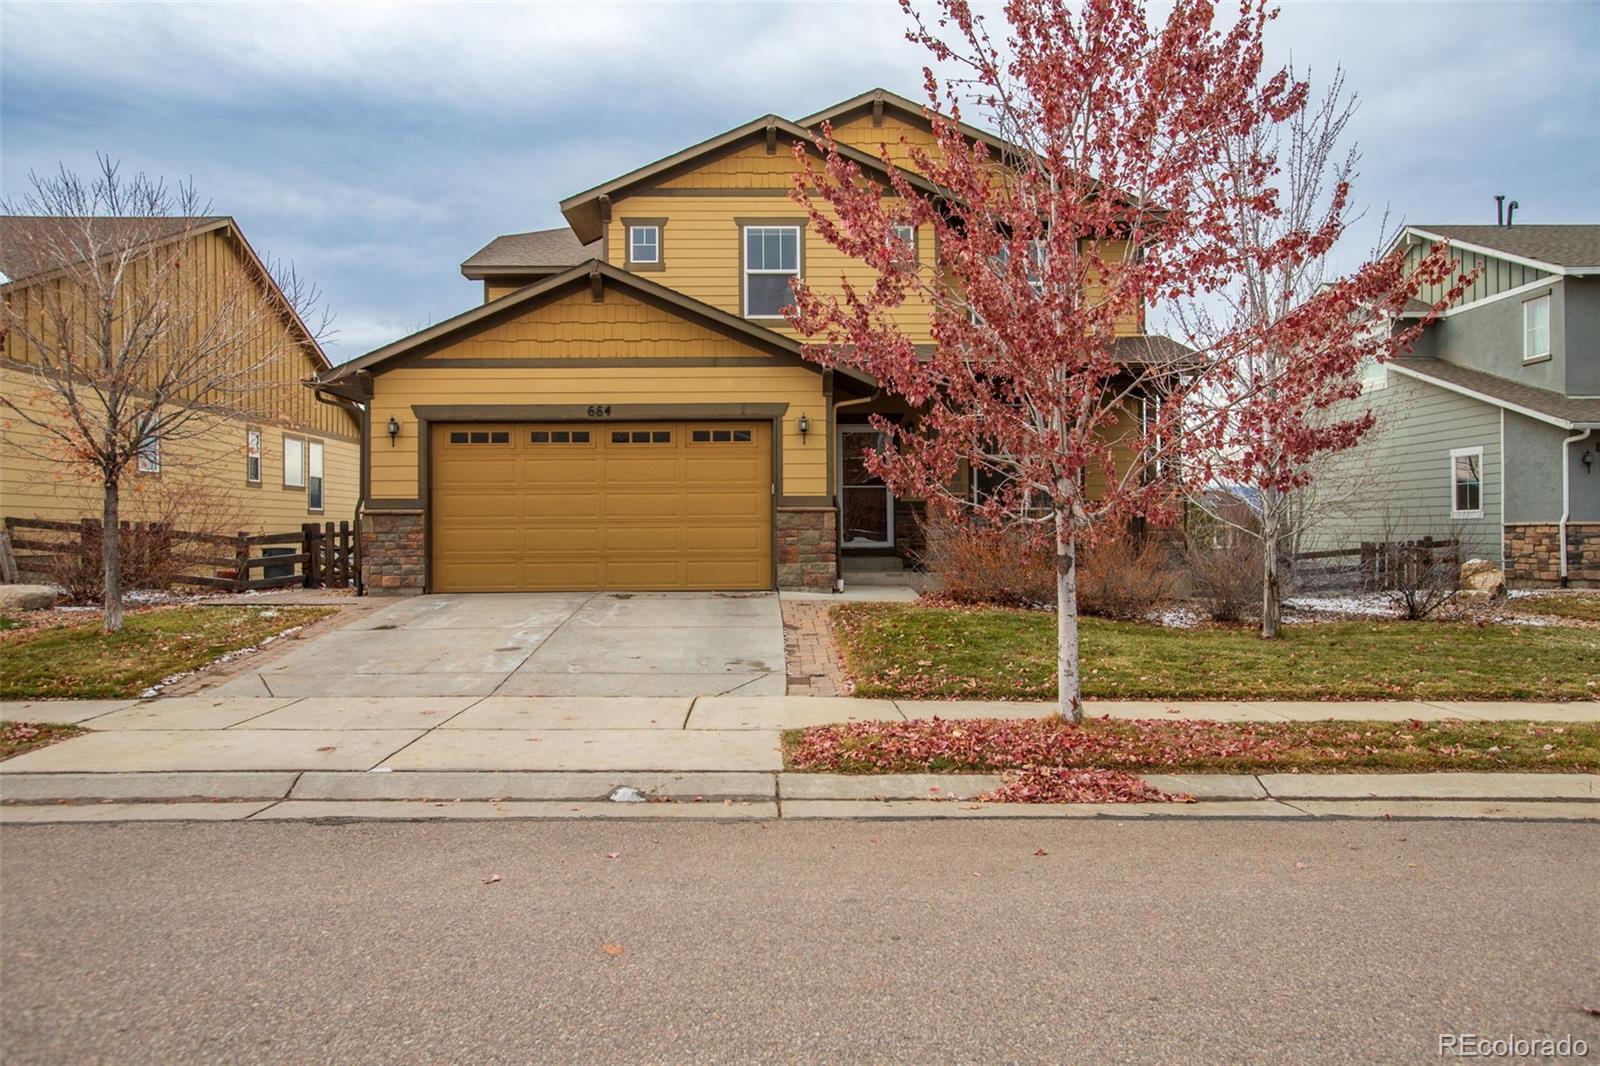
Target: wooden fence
[[324, 555], [1375, 565]]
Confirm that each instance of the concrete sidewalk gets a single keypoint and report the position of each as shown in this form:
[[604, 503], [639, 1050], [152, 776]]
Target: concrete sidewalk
[[470, 756]]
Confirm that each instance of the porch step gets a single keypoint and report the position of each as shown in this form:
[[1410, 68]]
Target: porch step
[[863, 564]]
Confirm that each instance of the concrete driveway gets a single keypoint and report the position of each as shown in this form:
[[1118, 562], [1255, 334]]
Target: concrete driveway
[[540, 644]]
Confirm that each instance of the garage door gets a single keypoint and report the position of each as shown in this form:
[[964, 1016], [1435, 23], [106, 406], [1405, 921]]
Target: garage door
[[665, 505]]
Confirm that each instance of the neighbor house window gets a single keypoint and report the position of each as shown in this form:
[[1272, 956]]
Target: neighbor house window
[[1466, 483], [903, 241], [1536, 327], [149, 444], [314, 475], [771, 262], [252, 456], [644, 244], [294, 463], [1372, 374]]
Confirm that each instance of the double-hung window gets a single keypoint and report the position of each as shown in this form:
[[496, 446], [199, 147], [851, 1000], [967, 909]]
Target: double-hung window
[[150, 444], [314, 475], [903, 242], [644, 244], [252, 456], [1536, 327], [1466, 483], [771, 262], [294, 463]]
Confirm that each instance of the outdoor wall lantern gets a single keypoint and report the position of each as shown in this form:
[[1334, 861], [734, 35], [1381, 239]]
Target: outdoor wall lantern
[[394, 430], [804, 426]]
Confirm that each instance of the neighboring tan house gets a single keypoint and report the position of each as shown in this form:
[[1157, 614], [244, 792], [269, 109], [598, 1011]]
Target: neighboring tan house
[[1487, 431], [629, 409], [294, 458]]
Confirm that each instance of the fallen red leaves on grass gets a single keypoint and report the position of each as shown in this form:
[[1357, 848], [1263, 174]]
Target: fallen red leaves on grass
[[1040, 748], [1053, 784]]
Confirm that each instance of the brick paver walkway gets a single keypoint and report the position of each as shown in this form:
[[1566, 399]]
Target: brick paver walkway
[[810, 655]]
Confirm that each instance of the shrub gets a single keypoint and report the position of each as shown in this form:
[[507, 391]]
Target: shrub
[[1226, 580], [1125, 577], [999, 566]]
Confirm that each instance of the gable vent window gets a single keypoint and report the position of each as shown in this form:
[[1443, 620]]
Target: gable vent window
[[1536, 327], [771, 262]]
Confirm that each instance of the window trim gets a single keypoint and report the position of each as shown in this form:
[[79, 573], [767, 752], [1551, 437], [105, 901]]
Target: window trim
[[744, 224], [322, 479], [260, 455], [648, 265], [1544, 300], [284, 448], [147, 449], [1455, 453]]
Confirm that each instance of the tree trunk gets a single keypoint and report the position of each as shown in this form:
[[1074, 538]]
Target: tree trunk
[[1069, 692], [1271, 591], [111, 558]]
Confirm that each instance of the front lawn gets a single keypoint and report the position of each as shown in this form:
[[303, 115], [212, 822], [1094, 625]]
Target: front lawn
[[18, 737], [910, 651], [1050, 745], [1582, 607], [80, 662]]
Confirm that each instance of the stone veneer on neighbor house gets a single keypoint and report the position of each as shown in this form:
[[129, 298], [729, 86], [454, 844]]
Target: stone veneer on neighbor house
[[1533, 549], [391, 553], [808, 548]]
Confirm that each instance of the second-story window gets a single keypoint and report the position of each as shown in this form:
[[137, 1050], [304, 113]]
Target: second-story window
[[903, 242], [771, 262], [644, 244], [1536, 327]]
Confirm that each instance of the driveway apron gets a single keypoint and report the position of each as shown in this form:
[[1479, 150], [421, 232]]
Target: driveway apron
[[540, 644]]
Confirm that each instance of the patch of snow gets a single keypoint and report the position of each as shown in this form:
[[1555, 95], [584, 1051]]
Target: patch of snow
[[1176, 617], [1357, 604], [155, 689]]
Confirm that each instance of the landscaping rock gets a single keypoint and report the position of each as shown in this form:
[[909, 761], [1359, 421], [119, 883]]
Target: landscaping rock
[[26, 597], [1480, 575]]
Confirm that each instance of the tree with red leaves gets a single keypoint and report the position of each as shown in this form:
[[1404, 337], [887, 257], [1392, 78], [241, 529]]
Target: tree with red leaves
[[1117, 192], [1286, 341]]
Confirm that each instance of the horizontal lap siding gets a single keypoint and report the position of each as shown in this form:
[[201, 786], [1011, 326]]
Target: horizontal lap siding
[[1397, 482], [208, 468]]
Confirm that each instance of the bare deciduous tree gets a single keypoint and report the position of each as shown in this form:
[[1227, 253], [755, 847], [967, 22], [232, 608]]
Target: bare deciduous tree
[[131, 338]]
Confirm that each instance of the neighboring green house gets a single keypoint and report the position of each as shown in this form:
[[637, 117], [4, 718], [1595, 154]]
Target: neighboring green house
[[1490, 429]]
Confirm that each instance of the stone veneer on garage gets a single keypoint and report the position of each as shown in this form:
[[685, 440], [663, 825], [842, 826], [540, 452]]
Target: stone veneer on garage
[[391, 553], [1533, 549], [808, 548]]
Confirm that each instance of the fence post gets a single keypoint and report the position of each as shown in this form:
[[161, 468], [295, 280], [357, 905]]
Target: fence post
[[241, 561], [344, 554], [308, 548]]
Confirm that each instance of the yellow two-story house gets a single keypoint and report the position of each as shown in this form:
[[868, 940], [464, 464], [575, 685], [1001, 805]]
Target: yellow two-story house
[[628, 408], [286, 457]]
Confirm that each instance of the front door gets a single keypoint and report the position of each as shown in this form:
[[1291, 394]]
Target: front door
[[866, 505]]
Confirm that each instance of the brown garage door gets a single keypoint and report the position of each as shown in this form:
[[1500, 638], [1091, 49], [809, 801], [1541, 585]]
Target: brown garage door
[[665, 505]]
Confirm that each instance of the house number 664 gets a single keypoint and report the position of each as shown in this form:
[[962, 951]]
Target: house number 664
[[598, 410]]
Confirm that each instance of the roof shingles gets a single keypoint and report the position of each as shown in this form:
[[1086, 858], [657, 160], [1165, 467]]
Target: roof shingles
[[1552, 406], [1568, 247]]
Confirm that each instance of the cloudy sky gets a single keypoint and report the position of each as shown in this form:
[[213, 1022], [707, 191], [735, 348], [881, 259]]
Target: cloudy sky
[[377, 146]]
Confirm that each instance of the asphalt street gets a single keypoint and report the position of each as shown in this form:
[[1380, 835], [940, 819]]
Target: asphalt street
[[1058, 941]]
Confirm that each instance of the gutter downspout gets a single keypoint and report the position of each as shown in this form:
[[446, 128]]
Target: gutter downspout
[[1566, 499]]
